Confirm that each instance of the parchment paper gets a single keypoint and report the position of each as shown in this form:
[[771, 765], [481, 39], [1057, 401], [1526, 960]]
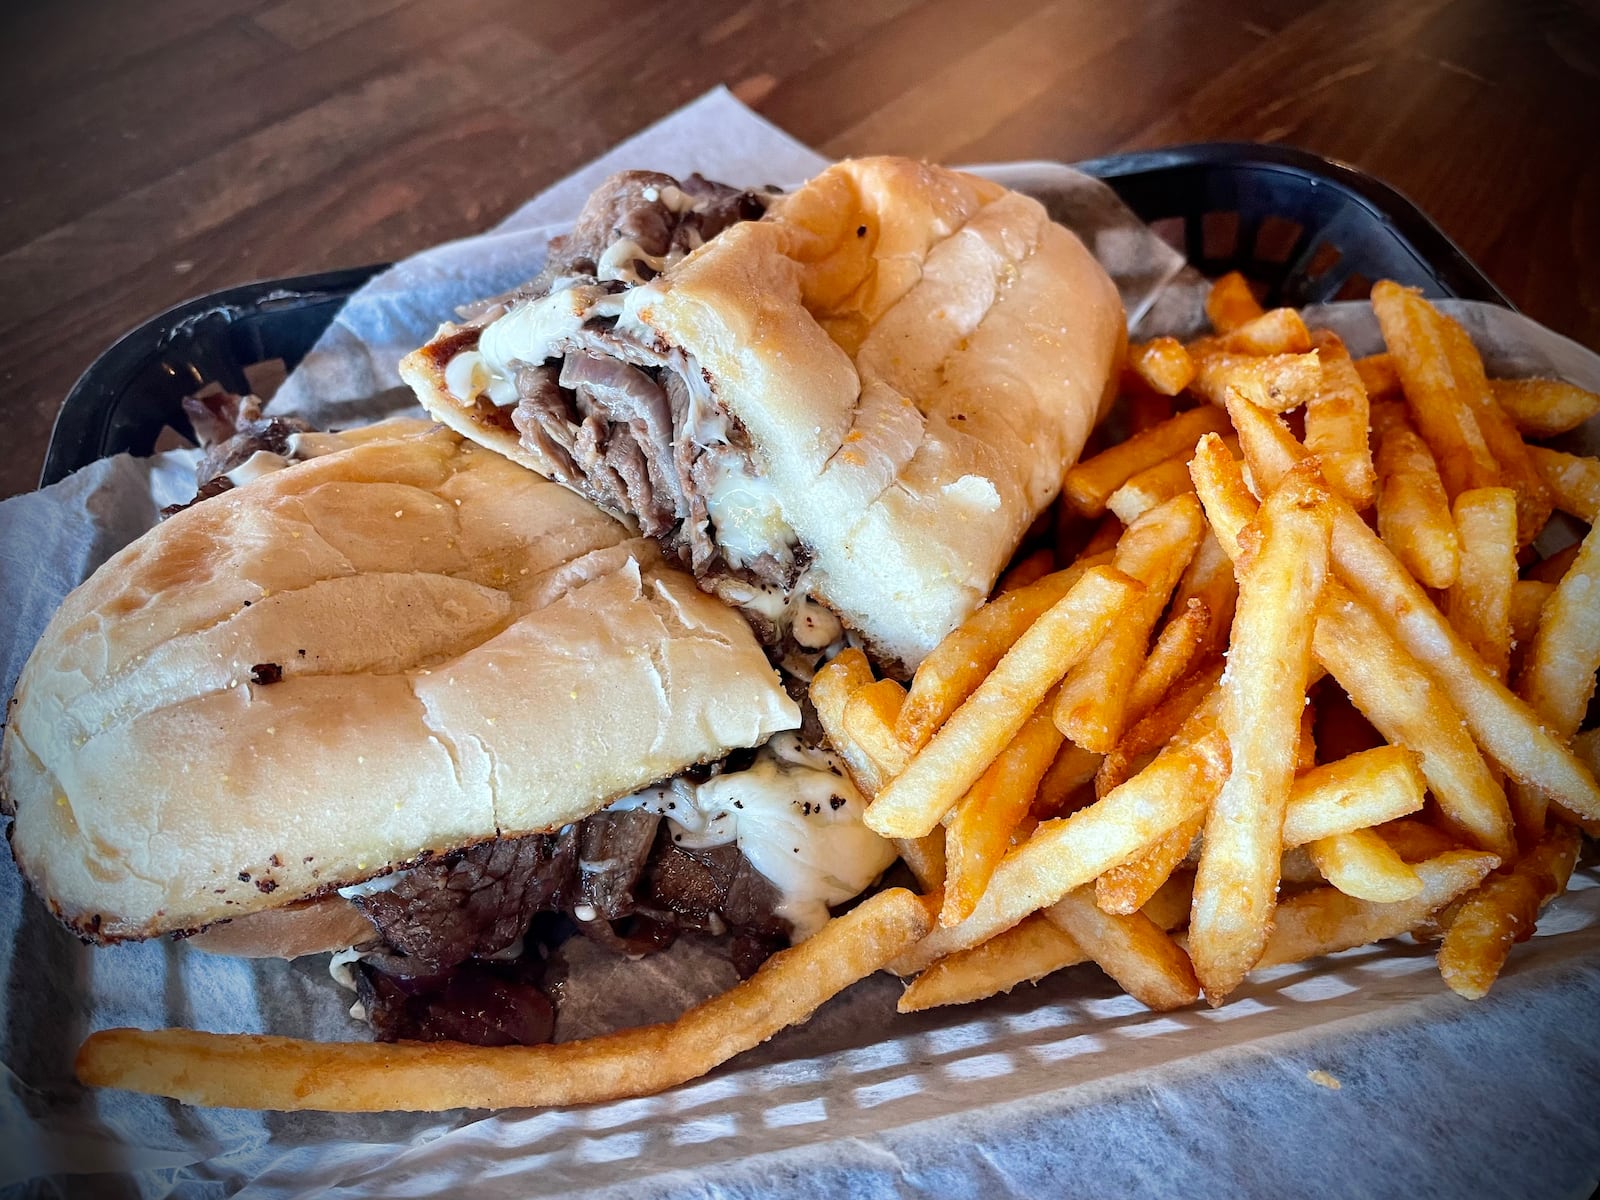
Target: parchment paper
[[1070, 1088]]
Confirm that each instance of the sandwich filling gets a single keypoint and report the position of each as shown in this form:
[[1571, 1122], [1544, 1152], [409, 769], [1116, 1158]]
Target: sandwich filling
[[756, 848], [564, 365]]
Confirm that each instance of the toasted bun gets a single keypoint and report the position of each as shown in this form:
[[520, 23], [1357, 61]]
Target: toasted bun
[[465, 650], [918, 356]]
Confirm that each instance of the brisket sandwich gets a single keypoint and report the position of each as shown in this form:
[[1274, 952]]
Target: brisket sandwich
[[842, 406], [410, 701]]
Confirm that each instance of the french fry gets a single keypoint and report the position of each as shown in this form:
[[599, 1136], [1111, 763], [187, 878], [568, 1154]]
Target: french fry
[[1527, 605], [1544, 408], [1479, 603], [1091, 708], [1574, 482], [1326, 920], [1150, 488], [1276, 331], [1415, 840], [1231, 303], [1502, 912], [1558, 677], [1025, 953], [1337, 418], [1209, 579], [1502, 724], [938, 775], [925, 857], [1419, 346], [1171, 656], [1378, 375], [1067, 853], [1361, 864], [1587, 746], [1386, 683], [1413, 509], [1131, 948], [1500, 434], [1305, 752], [1163, 364], [1554, 569], [1268, 670], [1158, 726], [978, 832], [964, 659], [1030, 570], [869, 719], [1074, 766], [1127, 887], [242, 1071], [1282, 381], [1363, 790], [831, 689], [1089, 484]]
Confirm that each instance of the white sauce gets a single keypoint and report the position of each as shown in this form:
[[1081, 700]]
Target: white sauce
[[746, 518], [299, 447], [794, 814]]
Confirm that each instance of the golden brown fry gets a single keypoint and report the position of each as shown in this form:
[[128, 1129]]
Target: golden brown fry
[[1278, 381], [1150, 488], [1030, 570], [1074, 766], [1479, 604], [1419, 343], [1276, 331], [1171, 656], [1158, 726], [1517, 472], [1326, 920], [1067, 853], [1231, 303], [978, 832], [1502, 724], [831, 689], [1163, 364], [1413, 509], [1558, 677], [1574, 482], [869, 719], [1091, 708], [1365, 789], [1128, 887], [1025, 953], [1210, 580], [1544, 407], [1378, 375], [937, 776], [1089, 484], [1502, 912], [1527, 604], [1305, 755], [240, 1071], [1336, 424], [1414, 839], [1362, 864], [1219, 482], [1269, 667], [925, 857], [965, 657], [1131, 948]]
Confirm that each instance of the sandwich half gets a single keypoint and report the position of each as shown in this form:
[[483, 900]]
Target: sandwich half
[[838, 407], [410, 697]]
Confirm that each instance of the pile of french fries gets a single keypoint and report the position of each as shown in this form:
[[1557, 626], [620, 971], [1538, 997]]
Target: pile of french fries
[[1289, 680]]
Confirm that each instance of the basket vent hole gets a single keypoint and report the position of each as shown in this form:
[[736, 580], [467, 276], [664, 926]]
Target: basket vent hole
[[1220, 234], [1276, 238], [1324, 260], [1357, 287], [1170, 231]]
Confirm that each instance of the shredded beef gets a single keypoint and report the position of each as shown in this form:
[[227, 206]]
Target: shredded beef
[[613, 848], [484, 1004]]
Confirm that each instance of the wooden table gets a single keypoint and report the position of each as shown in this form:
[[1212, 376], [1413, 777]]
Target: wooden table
[[158, 150]]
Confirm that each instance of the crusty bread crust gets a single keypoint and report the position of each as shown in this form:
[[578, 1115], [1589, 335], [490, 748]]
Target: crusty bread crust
[[405, 647]]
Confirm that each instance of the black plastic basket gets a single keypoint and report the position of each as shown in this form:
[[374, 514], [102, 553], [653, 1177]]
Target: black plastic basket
[[1302, 228]]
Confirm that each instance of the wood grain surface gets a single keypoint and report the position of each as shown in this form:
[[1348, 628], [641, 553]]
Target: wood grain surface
[[158, 150]]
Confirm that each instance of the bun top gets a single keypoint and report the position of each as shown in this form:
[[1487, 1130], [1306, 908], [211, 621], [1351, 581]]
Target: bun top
[[387, 652], [918, 356]]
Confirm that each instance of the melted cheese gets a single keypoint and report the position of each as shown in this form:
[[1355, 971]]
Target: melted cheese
[[794, 814]]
